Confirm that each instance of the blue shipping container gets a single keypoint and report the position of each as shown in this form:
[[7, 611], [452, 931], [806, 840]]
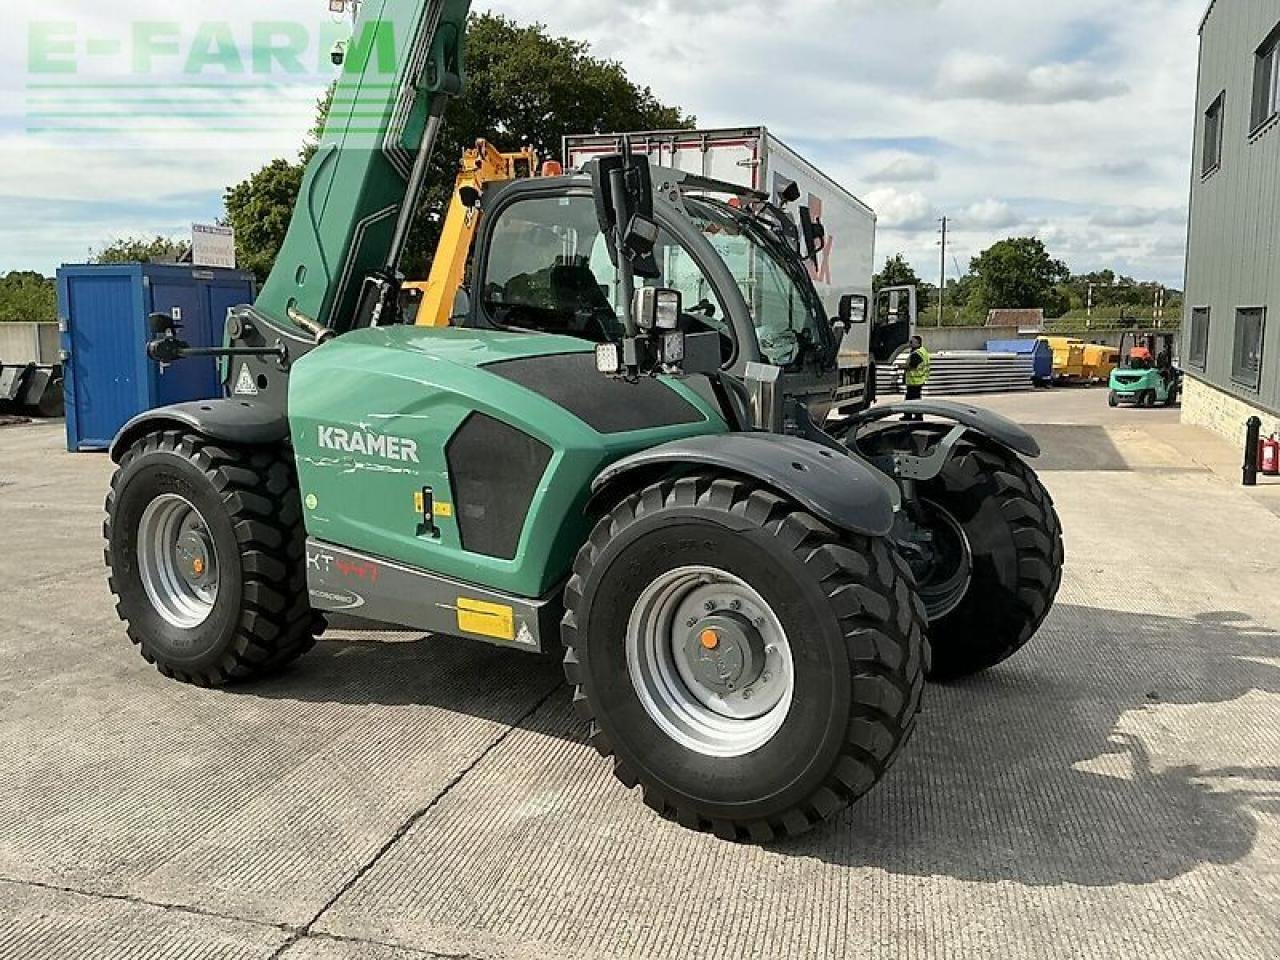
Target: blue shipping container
[[103, 311], [1040, 351]]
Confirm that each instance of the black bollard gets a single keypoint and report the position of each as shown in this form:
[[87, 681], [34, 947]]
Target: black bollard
[[1252, 440]]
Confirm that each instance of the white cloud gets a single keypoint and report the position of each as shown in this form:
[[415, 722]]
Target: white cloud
[[976, 76], [904, 168], [901, 210], [1128, 216], [993, 214]]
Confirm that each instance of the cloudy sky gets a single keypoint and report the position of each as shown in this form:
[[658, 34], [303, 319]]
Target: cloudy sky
[[1071, 119]]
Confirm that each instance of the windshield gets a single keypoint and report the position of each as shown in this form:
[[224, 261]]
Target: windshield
[[788, 315]]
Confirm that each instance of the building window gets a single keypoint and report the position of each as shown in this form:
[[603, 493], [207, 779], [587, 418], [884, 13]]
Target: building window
[[1266, 81], [1198, 349], [1213, 136], [1246, 362]]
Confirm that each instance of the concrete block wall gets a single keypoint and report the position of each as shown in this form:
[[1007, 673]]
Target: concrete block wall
[[29, 343], [1203, 405]]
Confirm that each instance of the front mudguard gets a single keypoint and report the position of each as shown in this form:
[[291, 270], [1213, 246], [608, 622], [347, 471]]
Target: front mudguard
[[976, 419], [838, 489], [925, 448]]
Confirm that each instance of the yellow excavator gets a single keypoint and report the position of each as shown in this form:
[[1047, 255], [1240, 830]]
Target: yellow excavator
[[430, 303]]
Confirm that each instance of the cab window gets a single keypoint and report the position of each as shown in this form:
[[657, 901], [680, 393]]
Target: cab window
[[543, 270], [549, 270]]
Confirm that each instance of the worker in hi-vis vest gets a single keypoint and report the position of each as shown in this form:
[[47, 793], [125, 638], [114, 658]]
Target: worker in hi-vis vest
[[918, 369]]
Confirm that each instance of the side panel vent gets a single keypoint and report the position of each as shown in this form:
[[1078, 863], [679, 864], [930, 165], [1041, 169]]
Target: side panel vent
[[495, 470]]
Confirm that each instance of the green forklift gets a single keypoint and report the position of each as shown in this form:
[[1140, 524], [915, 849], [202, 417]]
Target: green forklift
[[1149, 374], [618, 451]]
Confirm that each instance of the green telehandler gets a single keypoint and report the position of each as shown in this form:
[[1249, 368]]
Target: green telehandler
[[618, 447]]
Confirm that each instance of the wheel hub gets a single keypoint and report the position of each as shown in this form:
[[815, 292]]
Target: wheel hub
[[937, 549], [193, 558], [726, 653], [710, 661], [177, 562]]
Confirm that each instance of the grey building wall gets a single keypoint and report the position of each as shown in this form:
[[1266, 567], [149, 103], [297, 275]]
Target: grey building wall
[[1233, 256]]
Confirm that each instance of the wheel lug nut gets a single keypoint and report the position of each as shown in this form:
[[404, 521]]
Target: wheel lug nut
[[746, 694], [766, 678], [709, 606], [735, 605], [691, 623]]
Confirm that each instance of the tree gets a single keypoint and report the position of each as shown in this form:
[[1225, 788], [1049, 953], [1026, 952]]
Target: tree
[[142, 250], [898, 273], [523, 87], [1018, 273], [259, 209], [27, 297]]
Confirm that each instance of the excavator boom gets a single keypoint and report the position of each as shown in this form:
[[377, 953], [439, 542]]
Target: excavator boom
[[362, 187]]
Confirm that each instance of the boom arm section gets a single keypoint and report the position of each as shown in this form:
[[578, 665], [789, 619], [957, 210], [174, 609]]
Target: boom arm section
[[361, 188], [481, 166]]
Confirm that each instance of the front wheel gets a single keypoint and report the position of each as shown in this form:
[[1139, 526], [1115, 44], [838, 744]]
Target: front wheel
[[753, 670], [206, 553], [1113, 399]]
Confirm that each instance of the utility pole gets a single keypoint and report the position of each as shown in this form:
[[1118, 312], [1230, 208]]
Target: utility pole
[[942, 283]]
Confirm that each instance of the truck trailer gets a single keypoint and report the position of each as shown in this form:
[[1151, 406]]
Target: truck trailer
[[754, 158]]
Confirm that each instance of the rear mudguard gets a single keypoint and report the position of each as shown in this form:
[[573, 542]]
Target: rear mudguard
[[231, 421], [835, 487], [1000, 429]]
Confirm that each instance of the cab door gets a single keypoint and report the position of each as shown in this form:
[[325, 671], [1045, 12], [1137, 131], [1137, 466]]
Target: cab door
[[894, 324]]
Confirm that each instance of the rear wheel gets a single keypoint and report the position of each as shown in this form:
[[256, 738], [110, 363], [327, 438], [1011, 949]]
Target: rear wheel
[[206, 552], [1113, 399], [750, 668], [1148, 399], [985, 544]]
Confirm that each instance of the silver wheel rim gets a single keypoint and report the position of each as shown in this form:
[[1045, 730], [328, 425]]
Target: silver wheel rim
[[735, 713], [177, 562]]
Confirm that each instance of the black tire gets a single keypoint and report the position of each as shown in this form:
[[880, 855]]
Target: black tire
[[261, 618], [1113, 400], [1014, 540], [1148, 399], [848, 600]]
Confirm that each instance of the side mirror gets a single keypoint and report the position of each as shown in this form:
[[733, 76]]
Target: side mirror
[[853, 309], [815, 234]]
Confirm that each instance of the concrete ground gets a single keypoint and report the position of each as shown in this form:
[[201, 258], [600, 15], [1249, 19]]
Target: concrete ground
[[1114, 791]]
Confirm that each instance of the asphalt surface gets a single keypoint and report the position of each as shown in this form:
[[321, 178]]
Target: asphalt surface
[[1114, 791]]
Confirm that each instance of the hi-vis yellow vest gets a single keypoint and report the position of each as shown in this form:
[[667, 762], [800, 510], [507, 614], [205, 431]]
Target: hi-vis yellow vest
[[920, 375]]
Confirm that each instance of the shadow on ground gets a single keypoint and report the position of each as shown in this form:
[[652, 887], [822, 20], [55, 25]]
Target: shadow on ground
[[1002, 780]]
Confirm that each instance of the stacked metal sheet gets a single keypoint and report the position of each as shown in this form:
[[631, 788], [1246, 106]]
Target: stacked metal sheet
[[960, 372]]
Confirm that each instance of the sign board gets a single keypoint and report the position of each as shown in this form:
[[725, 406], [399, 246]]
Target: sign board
[[213, 246]]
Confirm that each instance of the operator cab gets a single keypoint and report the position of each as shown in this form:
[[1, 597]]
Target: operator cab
[[543, 263]]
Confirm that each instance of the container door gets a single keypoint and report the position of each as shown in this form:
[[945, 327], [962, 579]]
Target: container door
[[103, 388], [195, 379]]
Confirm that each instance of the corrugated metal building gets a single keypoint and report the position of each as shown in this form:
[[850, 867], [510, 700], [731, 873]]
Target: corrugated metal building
[[1231, 332]]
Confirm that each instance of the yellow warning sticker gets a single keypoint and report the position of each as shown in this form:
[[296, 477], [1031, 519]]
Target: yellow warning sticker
[[443, 509], [494, 620], [419, 503]]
